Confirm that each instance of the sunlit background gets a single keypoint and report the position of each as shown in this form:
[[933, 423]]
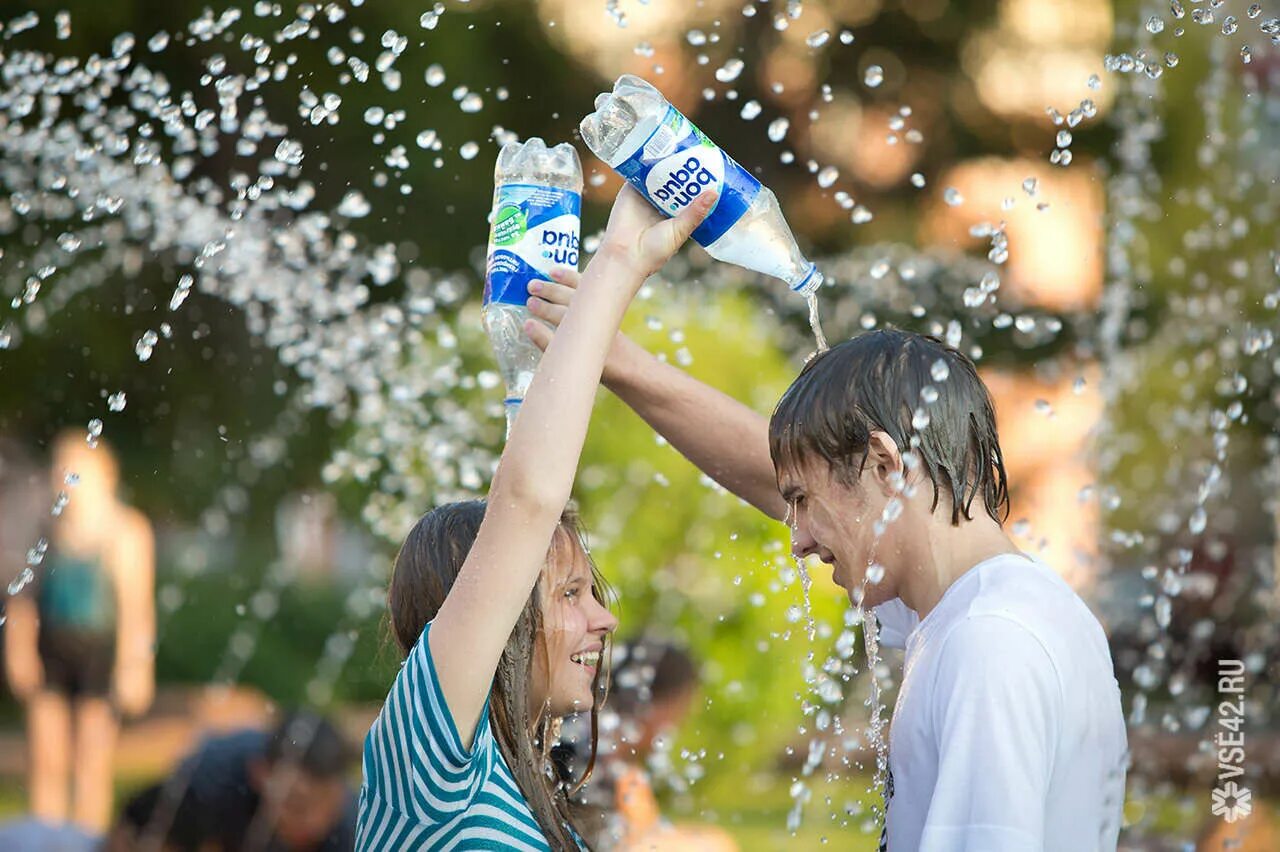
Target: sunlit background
[[1081, 199]]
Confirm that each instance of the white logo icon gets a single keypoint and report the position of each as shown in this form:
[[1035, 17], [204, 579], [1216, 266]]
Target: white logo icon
[[1232, 802]]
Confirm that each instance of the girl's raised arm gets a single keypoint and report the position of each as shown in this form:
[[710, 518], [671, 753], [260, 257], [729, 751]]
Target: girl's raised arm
[[535, 475]]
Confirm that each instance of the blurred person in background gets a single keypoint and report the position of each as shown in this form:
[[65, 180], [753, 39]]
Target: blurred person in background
[[652, 687], [79, 639], [251, 791]]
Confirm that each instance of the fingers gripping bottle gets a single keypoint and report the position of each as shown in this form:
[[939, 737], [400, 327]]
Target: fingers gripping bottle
[[537, 201], [650, 143]]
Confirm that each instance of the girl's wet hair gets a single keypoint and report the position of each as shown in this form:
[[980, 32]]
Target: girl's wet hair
[[873, 383], [424, 571]]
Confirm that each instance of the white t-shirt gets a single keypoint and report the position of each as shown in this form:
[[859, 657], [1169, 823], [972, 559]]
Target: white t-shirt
[[1008, 734]]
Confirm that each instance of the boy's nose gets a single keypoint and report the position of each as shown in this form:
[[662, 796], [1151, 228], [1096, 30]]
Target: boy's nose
[[802, 543]]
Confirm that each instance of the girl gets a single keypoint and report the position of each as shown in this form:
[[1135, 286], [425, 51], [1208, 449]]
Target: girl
[[496, 606]]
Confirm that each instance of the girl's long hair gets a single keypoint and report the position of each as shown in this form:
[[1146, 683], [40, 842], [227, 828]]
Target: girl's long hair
[[424, 571]]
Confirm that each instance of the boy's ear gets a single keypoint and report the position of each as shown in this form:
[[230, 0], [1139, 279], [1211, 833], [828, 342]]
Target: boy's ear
[[884, 463]]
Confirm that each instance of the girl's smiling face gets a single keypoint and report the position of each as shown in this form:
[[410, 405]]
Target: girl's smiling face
[[575, 625]]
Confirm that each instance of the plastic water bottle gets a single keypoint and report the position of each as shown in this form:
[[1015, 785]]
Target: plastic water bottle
[[650, 143], [537, 201]]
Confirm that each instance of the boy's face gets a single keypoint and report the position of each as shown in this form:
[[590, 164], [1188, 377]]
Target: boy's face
[[837, 522]]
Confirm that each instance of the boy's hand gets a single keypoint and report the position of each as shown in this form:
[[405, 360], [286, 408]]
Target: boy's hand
[[644, 239], [549, 301]]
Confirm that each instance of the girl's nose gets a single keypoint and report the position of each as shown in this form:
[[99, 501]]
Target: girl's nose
[[603, 620]]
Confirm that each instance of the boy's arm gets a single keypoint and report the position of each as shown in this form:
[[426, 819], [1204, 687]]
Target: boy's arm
[[724, 438]]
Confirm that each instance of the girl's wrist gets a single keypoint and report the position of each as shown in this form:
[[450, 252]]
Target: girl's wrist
[[615, 276]]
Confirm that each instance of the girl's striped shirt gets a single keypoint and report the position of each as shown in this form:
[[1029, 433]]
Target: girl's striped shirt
[[422, 789]]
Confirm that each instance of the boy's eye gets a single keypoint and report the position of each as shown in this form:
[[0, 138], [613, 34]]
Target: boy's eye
[[571, 592]]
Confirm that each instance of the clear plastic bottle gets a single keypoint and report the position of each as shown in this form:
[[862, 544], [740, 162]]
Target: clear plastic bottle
[[651, 144], [537, 202]]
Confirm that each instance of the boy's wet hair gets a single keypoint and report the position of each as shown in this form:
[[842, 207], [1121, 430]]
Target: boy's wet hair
[[875, 383]]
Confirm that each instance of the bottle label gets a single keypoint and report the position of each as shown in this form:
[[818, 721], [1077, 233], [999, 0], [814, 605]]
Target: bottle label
[[535, 229], [677, 163]]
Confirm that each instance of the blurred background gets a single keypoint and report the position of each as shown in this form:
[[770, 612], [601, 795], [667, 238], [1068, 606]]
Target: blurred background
[[1081, 195]]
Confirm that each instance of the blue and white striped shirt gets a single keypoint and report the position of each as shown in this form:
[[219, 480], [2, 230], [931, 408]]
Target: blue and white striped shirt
[[423, 790]]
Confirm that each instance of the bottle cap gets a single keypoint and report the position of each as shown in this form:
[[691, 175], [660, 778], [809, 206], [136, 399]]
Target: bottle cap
[[811, 281]]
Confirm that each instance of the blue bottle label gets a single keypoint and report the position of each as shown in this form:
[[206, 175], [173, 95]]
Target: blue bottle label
[[535, 229], [677, 163]]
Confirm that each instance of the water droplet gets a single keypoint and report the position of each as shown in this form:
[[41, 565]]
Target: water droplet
[[818, 39], [940, 371], [36, 554], [917, 180], [778, 129], [873, 76], [289, 152], [953, 197], [435, 75], [1064, 138], [146, 345], [875, 573], [471, 102], [827, 176], [846, 37], [469, 150], [1155, 24], [920, 419], [354, 205], [181, 292], [116, 401], [429, 20], [1229, 25], [729, 72], [1029, 186], [1198, 521], [750, 110]]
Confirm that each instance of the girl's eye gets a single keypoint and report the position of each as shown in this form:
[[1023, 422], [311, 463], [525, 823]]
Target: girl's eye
[[571, 592]]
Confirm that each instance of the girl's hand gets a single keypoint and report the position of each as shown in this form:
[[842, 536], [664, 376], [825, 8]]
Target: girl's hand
[[644, 239]]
